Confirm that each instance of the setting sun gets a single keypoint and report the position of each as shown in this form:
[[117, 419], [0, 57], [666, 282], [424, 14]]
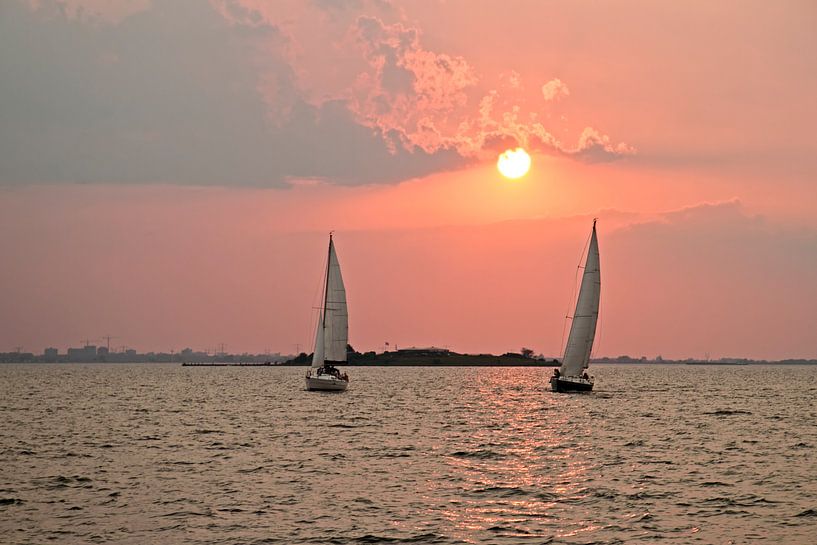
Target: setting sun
[[513, 163]]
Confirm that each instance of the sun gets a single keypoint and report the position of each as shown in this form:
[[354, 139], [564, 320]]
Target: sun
[[513, 163]]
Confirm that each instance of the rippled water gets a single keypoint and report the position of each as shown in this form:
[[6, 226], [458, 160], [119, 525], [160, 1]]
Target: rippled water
[[160, 453]]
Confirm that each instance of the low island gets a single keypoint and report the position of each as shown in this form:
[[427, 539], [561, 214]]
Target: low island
[[434, 357]]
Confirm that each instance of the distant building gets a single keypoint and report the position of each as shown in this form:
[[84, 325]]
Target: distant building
[[50, 354], [84, 354], [16, 357]]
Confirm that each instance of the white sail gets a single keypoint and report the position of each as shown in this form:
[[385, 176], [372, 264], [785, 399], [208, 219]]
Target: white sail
[[583, 328], [317, 355], [336, 317]]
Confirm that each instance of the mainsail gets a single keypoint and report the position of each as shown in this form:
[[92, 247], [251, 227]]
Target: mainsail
[[335, 323], [583, 328]]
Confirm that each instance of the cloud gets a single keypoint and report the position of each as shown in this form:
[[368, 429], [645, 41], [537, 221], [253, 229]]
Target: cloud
[[554, 90], [512, 79], [180, 94], [592, 147], [409, 91], [235, 93], [426, 98], [595, 147]]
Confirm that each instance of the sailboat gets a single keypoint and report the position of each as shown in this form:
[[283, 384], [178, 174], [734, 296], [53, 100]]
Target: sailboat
[[332, 333], [572, 375]]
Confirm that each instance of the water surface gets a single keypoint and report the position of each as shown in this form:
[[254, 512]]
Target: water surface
[[159, 453]]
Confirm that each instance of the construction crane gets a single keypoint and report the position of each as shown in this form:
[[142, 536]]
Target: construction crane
[[108, 338]]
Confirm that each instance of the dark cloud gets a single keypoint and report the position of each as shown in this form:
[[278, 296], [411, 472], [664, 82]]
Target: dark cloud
[[347, 152], [173, 94], [217, 93]]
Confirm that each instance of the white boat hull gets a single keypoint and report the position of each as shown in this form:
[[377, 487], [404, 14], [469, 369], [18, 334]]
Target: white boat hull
[[326, 383]]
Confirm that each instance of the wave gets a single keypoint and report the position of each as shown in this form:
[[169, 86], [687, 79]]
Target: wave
[[746, 500], [62, 481], [420, 538], [206, 513], [482, 454], [252, 470], [501, 491]]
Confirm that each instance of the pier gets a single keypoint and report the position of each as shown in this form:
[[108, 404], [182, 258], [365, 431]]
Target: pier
[[239, 364]]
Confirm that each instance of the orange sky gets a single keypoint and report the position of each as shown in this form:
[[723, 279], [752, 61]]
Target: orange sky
[[170, 171]]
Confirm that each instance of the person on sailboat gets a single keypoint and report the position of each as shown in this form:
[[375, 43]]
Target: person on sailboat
[[585, 377], [556, 373]]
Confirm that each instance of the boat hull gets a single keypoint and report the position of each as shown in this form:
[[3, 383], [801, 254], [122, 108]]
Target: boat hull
[[570, 384], [326, 383]]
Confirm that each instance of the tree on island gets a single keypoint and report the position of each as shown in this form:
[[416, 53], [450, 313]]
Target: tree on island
[[526, 352], [303, 357]]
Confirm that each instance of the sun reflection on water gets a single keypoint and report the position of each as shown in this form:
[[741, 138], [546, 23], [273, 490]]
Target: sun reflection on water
[[521, 464]]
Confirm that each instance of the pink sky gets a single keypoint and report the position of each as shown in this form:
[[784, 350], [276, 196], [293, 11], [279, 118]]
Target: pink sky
[[170, 170]]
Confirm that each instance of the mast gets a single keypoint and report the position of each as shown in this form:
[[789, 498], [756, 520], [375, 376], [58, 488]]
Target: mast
[[326, 284]]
